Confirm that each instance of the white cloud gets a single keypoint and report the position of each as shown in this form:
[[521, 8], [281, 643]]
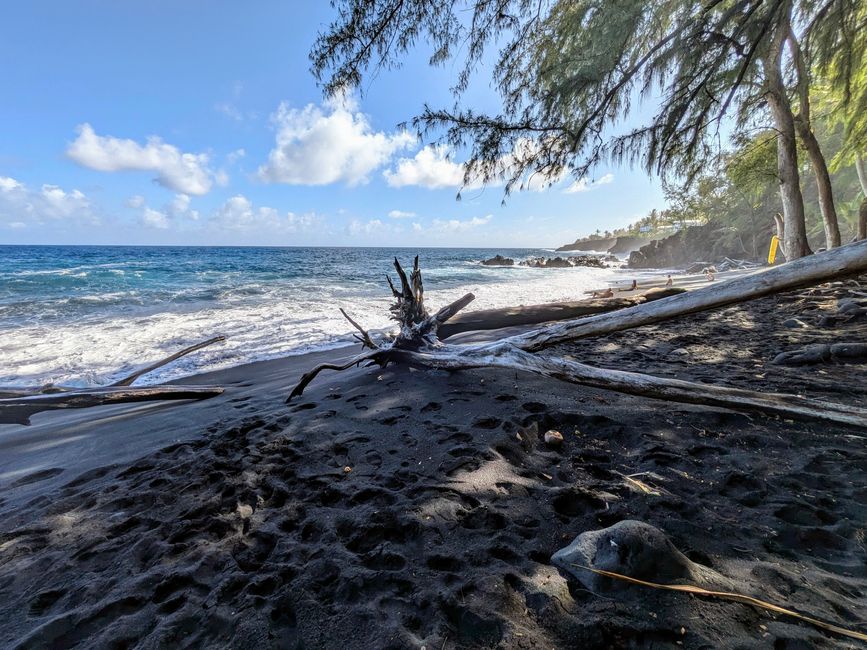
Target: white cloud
[[455, 225], [155, 219], [372, 227], [400, 214], [319, 147], [229, 110], [8, 184], [50, 202], [182, 172], [239, 213], [430, 168], [585, 184], [176, 212], [236, 155], [180, 207]]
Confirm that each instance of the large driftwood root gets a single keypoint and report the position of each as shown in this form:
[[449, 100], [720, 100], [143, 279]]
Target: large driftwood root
[[18, 404], [418, 329], [417, 342]]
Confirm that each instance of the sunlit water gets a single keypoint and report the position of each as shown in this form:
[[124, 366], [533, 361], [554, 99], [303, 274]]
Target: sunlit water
[[87, 315]]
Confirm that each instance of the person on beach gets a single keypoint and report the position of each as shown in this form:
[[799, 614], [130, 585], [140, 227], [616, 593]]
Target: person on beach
[[669, 282], [632, 288], [608, 293]]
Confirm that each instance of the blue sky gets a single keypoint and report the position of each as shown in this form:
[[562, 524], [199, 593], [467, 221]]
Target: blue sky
[[199, 123]]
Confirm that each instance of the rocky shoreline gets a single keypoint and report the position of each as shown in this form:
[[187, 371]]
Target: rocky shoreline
[[592, 261]]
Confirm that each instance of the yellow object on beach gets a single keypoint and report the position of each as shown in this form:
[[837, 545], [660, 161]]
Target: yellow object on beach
[[772, 253]]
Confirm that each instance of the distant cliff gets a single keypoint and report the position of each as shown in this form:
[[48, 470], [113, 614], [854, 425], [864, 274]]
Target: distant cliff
[[612, 245], [686, 247]]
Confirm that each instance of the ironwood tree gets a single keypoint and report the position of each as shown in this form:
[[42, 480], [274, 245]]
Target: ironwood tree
[[570, 73]]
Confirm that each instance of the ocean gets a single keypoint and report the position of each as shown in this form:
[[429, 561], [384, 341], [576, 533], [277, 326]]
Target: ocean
[[87, 315]]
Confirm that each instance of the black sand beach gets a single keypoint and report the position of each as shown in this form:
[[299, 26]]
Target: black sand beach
[[406, 509]]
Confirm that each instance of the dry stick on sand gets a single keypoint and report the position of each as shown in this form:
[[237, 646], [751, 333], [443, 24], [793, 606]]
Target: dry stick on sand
[[17, 405], [127, 381], [417, 343], [738, 598]]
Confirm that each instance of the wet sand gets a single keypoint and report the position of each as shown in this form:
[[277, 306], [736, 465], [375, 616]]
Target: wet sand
[[401, 509]]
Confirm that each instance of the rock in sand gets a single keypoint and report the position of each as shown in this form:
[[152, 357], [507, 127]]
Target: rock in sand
[[630, 548], [554, 438]]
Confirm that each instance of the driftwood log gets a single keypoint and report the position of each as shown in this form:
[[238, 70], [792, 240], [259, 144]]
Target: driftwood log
[[417, 343], [18, 404]]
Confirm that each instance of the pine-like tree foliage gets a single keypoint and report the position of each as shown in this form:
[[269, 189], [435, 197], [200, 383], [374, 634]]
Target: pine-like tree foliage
[[570, 73], [836, 48]]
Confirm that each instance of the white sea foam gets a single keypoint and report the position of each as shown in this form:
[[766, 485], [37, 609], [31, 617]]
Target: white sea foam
[[261, 322]]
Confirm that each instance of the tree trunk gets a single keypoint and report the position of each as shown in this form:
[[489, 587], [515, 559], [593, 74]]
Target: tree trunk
[[804, 126], [862, 212], [862, 220], [862, 173], [823, 184], [795, 243]]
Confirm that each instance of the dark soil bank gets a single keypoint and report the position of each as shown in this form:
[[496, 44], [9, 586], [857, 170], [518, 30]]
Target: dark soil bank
[[404, 509]]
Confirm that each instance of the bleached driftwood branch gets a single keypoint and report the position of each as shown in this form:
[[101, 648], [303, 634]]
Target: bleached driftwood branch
[[18, 404], [17, 410], [811, 270], [505, 355], [417, 342], [128, 381]]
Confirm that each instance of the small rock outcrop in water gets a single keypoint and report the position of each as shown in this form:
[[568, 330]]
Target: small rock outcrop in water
[[564, 262], [499, 260], [630, 548]]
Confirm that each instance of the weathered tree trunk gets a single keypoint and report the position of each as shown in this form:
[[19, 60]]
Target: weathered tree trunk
[[780, 227], [862, 220], [815, 269], [823, 184], [794, 243], [861, 169], [804, 126], [862, 211]]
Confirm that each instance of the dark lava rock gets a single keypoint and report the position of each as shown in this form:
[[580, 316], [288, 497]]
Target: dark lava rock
[[499, 260], [631, 548]]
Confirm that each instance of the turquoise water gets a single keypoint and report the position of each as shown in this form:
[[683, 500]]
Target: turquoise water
[[83, 315]]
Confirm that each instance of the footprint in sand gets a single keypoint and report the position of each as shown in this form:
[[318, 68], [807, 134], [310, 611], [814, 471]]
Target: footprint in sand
[[35, 477], [534, 407]]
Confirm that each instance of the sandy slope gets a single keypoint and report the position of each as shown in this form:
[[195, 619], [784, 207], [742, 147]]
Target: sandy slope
[[249, 531]]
